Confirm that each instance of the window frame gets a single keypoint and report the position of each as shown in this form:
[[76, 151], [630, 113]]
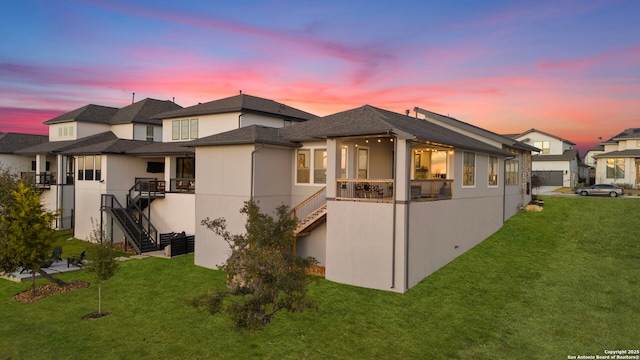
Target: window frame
[[615, 166], [468, 170], [493, 171], [307, 157]]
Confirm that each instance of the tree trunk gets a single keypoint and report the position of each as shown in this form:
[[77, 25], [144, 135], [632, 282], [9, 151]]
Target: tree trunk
[[33, 284], [50, 278], [99, 298]]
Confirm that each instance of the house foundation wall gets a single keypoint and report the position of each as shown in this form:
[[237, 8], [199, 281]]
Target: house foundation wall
[[440, 231]]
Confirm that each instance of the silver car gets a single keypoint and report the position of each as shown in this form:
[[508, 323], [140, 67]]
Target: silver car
[[601, 189]]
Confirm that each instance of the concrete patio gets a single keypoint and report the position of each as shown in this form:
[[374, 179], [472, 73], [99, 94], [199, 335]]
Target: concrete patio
[[54, 269]]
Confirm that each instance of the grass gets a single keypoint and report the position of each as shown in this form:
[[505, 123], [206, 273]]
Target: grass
[[547, 285]]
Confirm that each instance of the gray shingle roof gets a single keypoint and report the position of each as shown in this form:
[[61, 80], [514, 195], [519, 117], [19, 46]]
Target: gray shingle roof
[[143, 112], [88, 113], [55, 147], [160, 148], [362, 121], [502, 139], [620, 153], [566, 156], [237, 103], [114, 146], [544, 133], [11, 142], [254, 134], [631, 133]]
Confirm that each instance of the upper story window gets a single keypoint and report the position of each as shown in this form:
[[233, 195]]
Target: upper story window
[[493, 171], [184, 129], [311, 166], [544, 146], [90, 167], [150, 130], [468, 169], [65, 131]]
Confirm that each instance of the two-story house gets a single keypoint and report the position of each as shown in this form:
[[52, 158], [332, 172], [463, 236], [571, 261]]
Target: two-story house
[[384, 199], [556, 163], [619, 160]]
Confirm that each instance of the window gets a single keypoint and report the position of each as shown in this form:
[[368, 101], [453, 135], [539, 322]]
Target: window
[[320, 166], [194, 129], [363, 163], [305, 158], [185, 168], [175, 130], [543, 146], [65, 131], [90, 167], [469, 169], [150, 132], [343, 162], [493, 171], [615, 168], [184, 129], [511, 172]]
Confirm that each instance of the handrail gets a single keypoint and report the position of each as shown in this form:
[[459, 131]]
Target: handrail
[[109, 201], [310, 204], [150, 231], [151, 186], [137, 243]]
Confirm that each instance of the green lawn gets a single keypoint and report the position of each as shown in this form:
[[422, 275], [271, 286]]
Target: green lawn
[[547, 285]]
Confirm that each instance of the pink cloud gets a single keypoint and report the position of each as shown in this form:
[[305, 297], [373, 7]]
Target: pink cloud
[[25, 120]]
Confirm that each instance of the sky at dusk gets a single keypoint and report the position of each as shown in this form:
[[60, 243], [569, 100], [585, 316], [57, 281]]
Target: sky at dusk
[[568, 68]]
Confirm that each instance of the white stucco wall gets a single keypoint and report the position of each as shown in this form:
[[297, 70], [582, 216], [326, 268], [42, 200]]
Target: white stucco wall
[[359, 242], [174, 213], [54, 131], [87, 129], [315, 244], [440, 231], [223, 178], [16, 163]]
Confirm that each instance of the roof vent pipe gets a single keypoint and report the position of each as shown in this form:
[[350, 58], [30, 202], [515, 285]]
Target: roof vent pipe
[[133, 97], [406, 112]]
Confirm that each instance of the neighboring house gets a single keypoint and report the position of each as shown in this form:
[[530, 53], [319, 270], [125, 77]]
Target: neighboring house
[[619, 161], [384, 199], [556, 163], [18, 164], [590, 161], [73, 180]]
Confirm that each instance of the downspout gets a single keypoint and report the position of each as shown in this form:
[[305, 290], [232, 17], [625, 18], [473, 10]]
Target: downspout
[[395, 203], [504, 189], [240, 119], [253, 162]]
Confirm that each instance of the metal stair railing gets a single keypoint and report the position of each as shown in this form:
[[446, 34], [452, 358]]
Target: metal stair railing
[[111, 204], [150, 188]]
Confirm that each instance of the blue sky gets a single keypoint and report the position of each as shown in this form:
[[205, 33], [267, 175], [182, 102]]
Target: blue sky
[[569, 68]]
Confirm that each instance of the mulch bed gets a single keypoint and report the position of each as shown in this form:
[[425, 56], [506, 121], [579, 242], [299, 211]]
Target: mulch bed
[[46, 290], [316, 270], [120, 248]]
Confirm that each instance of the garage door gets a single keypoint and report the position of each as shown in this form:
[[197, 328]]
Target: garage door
[[549, 178]]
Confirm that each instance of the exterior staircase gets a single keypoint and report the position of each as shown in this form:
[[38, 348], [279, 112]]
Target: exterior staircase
[[137, 227], [311, 213]]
